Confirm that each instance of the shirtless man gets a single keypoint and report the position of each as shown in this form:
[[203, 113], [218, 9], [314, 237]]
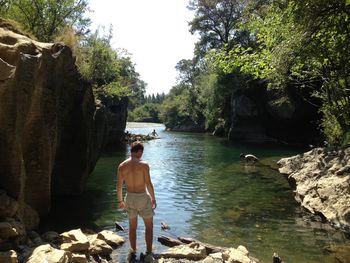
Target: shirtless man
[[154, 133], [138, 201]]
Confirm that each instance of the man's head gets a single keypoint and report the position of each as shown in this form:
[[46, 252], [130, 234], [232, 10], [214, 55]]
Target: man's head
[[137, 149]]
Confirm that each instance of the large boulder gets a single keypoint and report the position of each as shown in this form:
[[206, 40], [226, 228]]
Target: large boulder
[[50, 137], [110, 238], [99, 246], [321, 179], [48, 254], [193, 251], [74, 241]]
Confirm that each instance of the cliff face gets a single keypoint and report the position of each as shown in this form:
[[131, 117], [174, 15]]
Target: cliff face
[[51, 133], [320, 179], [258, 114], [117, 114]]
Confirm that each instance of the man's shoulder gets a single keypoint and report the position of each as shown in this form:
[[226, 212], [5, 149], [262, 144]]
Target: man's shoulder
[[144, 163], [123, 163]]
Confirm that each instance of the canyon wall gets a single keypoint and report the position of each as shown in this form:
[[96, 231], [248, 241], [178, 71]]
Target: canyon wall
[[51, 131]]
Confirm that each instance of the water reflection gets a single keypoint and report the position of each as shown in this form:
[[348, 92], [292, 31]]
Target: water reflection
[[205, 192]]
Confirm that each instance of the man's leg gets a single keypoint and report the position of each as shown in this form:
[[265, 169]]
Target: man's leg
[[132, 232], [149, 233]]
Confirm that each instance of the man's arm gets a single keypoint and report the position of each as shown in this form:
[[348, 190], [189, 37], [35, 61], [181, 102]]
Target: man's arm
[[149, 186], [120, 181]]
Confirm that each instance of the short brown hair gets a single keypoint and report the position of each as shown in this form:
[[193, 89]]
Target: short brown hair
[[136, 146]]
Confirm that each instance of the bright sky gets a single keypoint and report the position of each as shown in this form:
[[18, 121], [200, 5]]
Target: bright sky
[[155, 32]]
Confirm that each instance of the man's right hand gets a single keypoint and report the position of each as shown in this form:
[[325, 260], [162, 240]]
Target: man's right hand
[[154, 204], [121, 204]]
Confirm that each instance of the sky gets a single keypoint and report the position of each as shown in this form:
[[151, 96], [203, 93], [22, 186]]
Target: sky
[[154, 32]]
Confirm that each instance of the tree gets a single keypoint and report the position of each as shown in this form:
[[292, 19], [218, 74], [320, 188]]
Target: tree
[[301, 44], [47, 18], [217, 22], [112, 73], [188, 71]]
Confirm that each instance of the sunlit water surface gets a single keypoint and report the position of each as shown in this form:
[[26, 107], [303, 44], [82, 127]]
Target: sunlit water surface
[[205, 192]]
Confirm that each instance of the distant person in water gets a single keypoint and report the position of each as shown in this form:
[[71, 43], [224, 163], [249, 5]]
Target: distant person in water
[[248, 157], [139, 199], [154, 133]]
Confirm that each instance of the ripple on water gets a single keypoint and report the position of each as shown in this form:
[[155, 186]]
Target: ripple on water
[[205, 192]]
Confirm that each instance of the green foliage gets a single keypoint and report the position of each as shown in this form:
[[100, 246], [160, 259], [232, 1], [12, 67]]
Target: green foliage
[[111, 90], [158, 98], [300, 43], [112, 73], [346, 138], [216, 22], [203, 91], [47, 19], [182, 106], [331, 127], [148, 111]]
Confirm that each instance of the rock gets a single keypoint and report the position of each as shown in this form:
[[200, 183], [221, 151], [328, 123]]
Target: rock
[[48, 142], [169, 241], [5, 245], [191, 251], [6, 70], [25, 253], [31, 217], [255, 113], [339, 252], [48, 254], [7, 231], [110, 238], [117, 114], [8, 205], [321, 182], [239, 255], [99, 246], [74, 241], [215, 258], [118, 226], [208, 247], [79, 258], [276, 258], [8, 257], [20, 228], [35, 238], [50, 236]]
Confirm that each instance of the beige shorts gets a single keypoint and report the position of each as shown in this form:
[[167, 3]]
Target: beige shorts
[[138, 204]]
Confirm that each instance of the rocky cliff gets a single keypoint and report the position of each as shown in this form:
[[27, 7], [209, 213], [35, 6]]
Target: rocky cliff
[[51, 132], [321, 179], [258, 114]]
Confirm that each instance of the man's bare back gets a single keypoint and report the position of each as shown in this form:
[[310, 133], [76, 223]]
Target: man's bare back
[[140, 198], [135, 174]]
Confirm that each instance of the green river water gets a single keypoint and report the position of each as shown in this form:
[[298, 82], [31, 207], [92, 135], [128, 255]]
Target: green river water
[[205, 192]]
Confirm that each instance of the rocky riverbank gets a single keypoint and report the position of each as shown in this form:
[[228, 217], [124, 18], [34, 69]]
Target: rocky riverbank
[[321, 180], [77, 246]]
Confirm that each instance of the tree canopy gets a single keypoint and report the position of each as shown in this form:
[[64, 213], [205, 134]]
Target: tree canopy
[[46, 19], [289, 43]]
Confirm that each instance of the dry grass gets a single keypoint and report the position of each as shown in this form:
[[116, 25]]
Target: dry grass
[[15, 27]]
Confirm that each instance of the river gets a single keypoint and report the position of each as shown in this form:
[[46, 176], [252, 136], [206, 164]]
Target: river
[[205, 192]]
